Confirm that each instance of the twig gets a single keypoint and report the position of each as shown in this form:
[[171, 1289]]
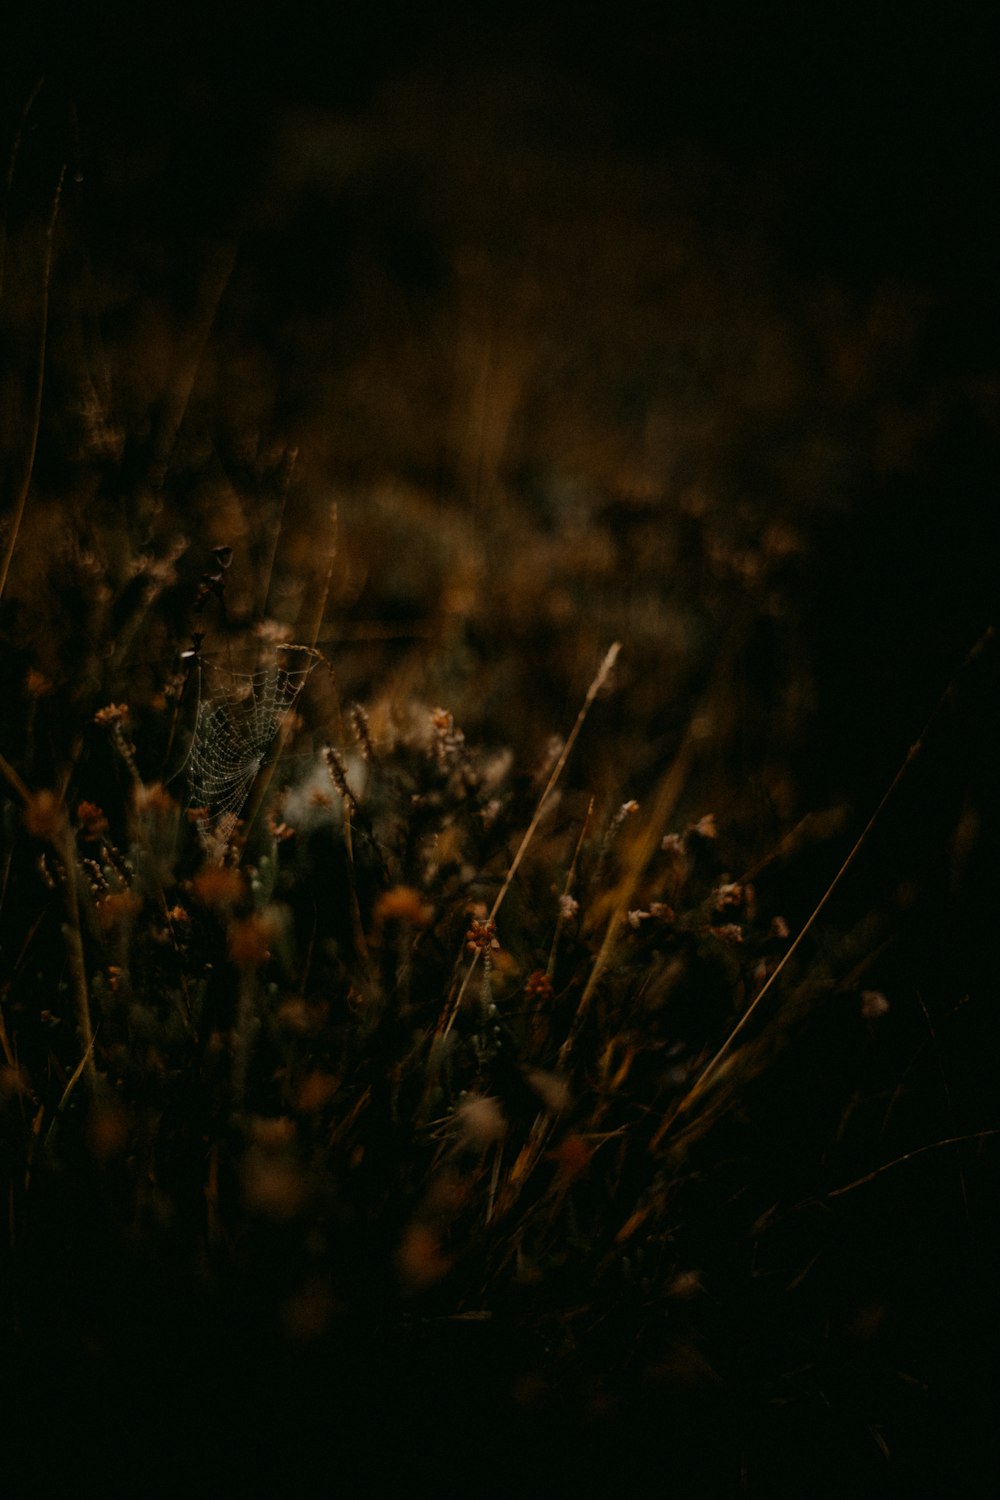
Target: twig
[[71, 932], [600, 678], [550, 967], [78, 968], [701, 1082], [291, 457], [178, 396], [86, 1063], [595, 687], [952, 1140], [667, 797], [15, 151], [314, 624], [8, 771], [36, 417]]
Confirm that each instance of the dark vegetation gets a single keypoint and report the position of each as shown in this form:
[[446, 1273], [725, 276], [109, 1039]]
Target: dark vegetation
[[438, 1047]]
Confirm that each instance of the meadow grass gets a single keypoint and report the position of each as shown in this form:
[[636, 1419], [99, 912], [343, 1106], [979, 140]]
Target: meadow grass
[[326, 1032], [438, 1044]]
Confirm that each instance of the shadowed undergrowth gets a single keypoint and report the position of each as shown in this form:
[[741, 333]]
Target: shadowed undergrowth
[[439, 1045], [358, 1078]]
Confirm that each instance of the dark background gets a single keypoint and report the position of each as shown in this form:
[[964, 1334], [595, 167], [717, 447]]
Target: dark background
[[596, 326], [831, 168]]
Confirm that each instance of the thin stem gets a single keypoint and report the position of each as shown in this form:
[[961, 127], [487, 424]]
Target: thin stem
[[595, 687], [952, 1140], [668, 796], [600, 678], [291, 458], [550, 967], [15, 151], [701, 1082], [78, 968], [36, 420]]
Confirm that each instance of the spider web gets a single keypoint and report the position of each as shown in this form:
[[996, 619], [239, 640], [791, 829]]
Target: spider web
[[234, 729]]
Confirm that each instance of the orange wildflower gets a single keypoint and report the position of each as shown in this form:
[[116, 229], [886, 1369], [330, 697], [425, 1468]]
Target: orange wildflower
[[216, 885]]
